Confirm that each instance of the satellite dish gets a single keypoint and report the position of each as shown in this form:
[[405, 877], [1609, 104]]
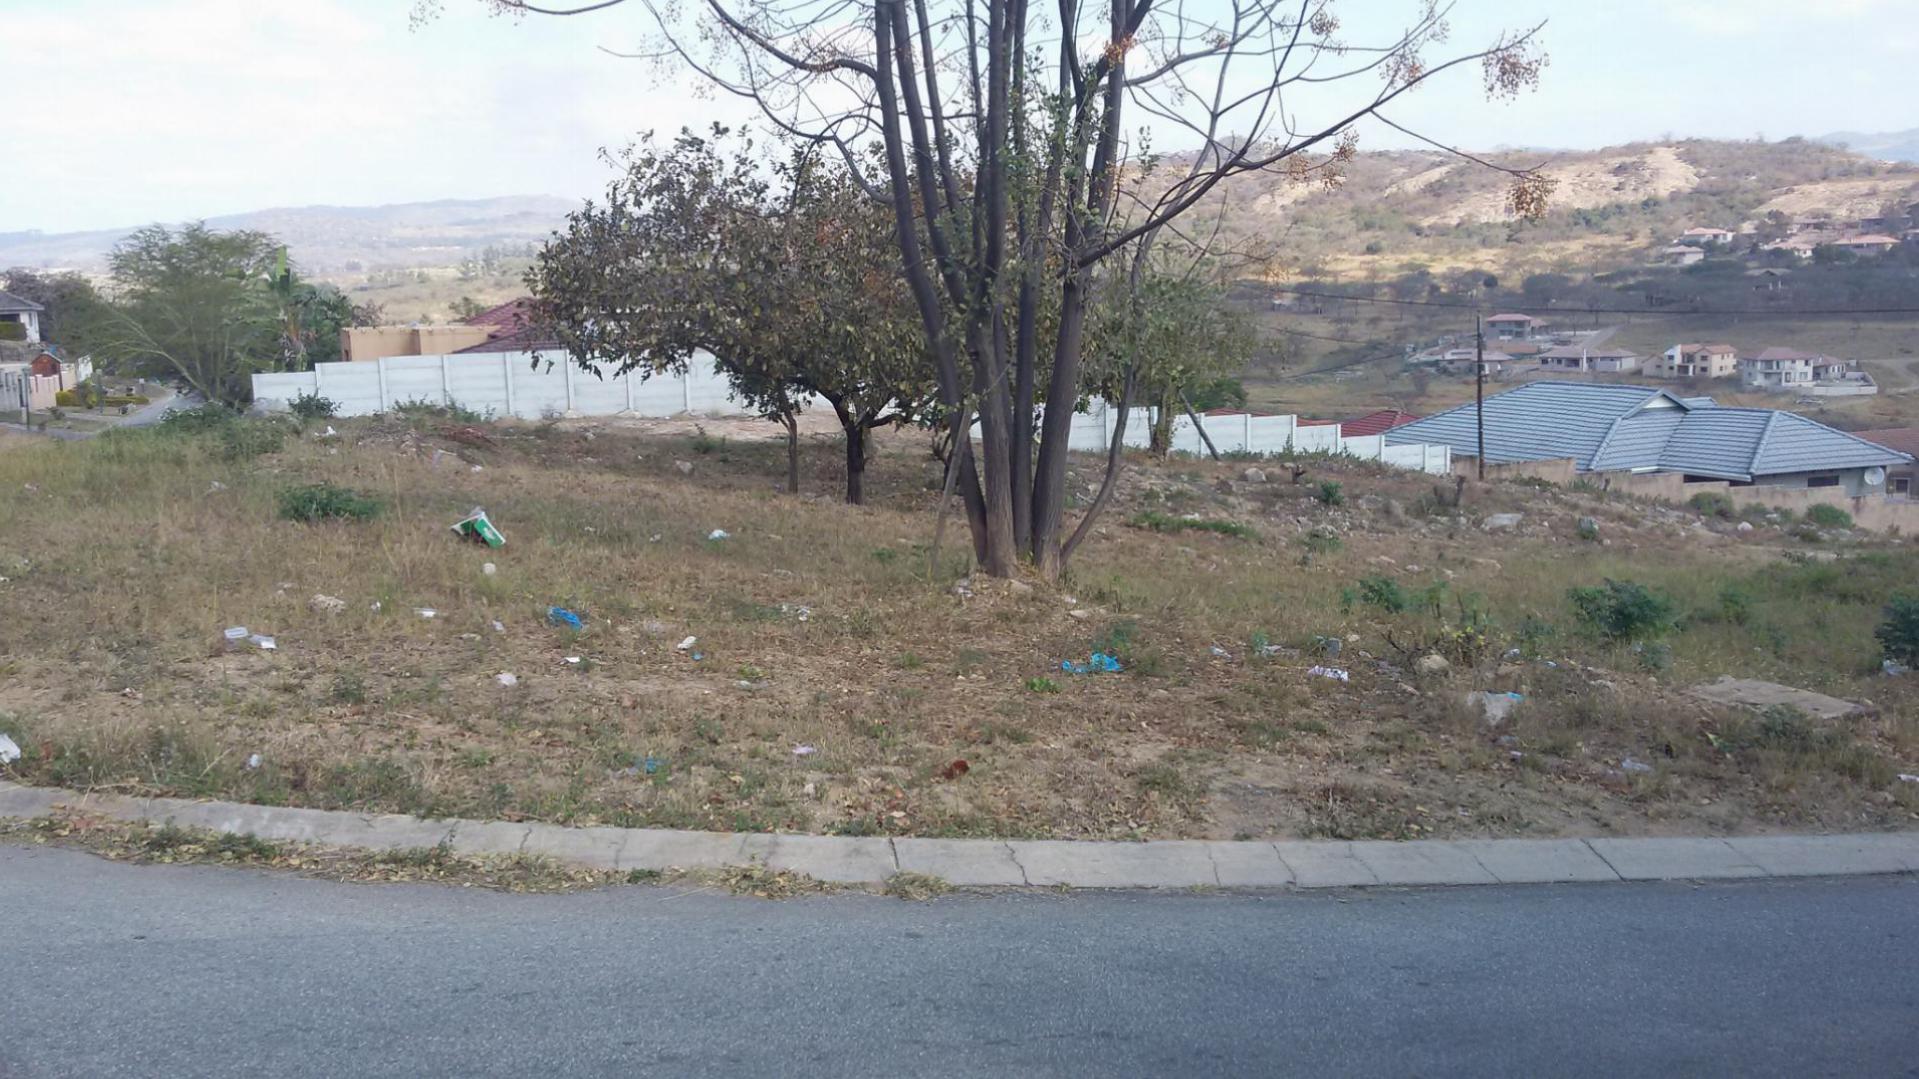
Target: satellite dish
[[1875, 476]]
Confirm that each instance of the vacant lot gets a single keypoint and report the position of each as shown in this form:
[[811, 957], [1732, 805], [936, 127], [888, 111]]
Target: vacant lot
[[838, 683]]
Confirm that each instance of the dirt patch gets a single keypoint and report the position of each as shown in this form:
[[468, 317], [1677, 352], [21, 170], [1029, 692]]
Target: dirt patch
[[1657, 172]]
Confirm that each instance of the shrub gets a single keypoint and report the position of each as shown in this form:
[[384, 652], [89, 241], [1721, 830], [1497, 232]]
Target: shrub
[[311, 406], [1384, 593], [13, 331], [1623, 610], [1826, 516], [197, 420], [324, 501], [1712, 503], [1898, 635], [1166, 522], [1330, 494], [242, 439], [1321, 541]]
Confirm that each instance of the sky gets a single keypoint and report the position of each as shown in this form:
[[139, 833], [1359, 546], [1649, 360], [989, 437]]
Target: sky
[[165, 110]]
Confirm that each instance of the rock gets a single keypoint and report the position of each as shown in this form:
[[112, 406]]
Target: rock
[[1254, 475], [324, 604], [1019, 588], [1492, 707], [1745, 526], [1587, 526], [1432, 665], [1392, 510], [1752, 693], [1631, 765], [1502, 522], [685, 467], [1080, 613]]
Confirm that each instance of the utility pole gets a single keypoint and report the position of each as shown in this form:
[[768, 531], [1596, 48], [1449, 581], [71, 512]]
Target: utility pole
[[1479, 390]]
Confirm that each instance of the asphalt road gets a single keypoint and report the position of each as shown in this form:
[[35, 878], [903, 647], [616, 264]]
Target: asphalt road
[[109, 969]]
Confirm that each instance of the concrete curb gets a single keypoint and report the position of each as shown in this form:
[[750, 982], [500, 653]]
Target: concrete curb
[[1039, 863]]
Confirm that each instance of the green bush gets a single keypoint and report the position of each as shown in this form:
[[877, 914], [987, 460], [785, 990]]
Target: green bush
[[244, 439], [324, 501], [1712, 503], [311, 406], [1329, 493], [198, 420], [1898, 635], [1826, 516], [13, 331], [1383, 593], [1166, 522], [1623, 610]]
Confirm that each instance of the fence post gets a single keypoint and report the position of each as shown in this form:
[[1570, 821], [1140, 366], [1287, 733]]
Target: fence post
[[628, 379], [506, 368], [317, 383], [446, 382], [384, 404], [1247, 440], [566, 370]]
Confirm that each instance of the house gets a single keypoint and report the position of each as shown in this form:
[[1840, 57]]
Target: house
[[1582, 358], [503, 328], [1787, 368], [1696, 361], [25, 314], [1681, 255], [1871, 243], [1513, 327], [1769, 279], [1798, 248], [1375, 423], [1699, 237], [1899, 478], [1608, 427]]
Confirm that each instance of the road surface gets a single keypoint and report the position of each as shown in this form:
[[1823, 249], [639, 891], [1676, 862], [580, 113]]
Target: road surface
[[109, 969]]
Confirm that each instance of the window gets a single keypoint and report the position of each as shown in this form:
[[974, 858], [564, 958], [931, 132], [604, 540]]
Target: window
[[1902, 485], [1823, 481]]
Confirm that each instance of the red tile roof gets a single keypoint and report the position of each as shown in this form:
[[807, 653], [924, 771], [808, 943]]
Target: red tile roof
[[1374, 423], [1903, 439], [510, 328]]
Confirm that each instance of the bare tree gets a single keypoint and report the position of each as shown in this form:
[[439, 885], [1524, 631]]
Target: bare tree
[[1011, 178]]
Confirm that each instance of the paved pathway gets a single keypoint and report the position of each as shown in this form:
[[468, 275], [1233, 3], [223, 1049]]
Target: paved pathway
[[110, 969], [982, 862]]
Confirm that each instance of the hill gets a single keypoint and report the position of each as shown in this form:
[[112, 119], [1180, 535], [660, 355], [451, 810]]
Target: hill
[[340, 239], [1885, 145]]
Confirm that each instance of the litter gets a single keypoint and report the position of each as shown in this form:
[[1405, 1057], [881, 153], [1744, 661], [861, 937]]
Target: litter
[[263, 642], [956, 769], [374, 606], [328, 433], [1098, 663], [572, 661], [498, 627], [1893, 668], [686, 644], [10, 751], [489, 568], [719, 534], [804, 750], [425, 612], [697, 656], [1221, 653], [215, 487], [1271, 650], [1337, 674], [1903, 777], [253, 762], [1631, 765], [321, 603], [235, 636], [507, 678], [560, 616], [1329, 647], [1493, 707], [479, 529]]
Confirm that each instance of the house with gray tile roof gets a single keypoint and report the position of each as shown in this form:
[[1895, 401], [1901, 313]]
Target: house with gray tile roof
[[1640, 429], [24, 313]]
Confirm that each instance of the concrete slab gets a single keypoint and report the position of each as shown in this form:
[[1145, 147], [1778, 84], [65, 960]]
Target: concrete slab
[[1248, 865], [390, 831], [1538, 861], [1830, 855], [1329, 864], [846, 860], [1674, 859], [966, 862], [662, 849], [1752, 693], [1167, 864], [488, 837], [29, 801], [266, 822], [1424, 861], [589, 848]]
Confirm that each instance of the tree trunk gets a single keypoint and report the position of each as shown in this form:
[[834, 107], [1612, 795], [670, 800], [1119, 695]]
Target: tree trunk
[[792, 423], [1049, 482], [1160, 440], [856, 464]]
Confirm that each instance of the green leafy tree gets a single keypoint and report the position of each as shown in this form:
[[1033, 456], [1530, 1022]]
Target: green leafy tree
[[73, 306], [786, 276], [1181, 342], [194, 305]]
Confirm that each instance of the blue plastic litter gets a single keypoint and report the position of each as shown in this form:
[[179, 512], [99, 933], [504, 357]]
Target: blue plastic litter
[[652, 765], [1098, 663], [560, 616]]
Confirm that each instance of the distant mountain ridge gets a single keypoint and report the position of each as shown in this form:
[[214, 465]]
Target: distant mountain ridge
[[324, 239], [1884, 145]]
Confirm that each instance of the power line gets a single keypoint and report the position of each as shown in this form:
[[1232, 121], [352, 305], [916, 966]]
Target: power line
[[1602, 310]]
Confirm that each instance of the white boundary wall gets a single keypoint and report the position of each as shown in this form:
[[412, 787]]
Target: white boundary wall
[[1243, 432], [502, 384], [509, 384]]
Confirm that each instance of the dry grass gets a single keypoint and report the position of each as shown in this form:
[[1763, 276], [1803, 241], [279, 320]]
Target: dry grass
[[819, 627]]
